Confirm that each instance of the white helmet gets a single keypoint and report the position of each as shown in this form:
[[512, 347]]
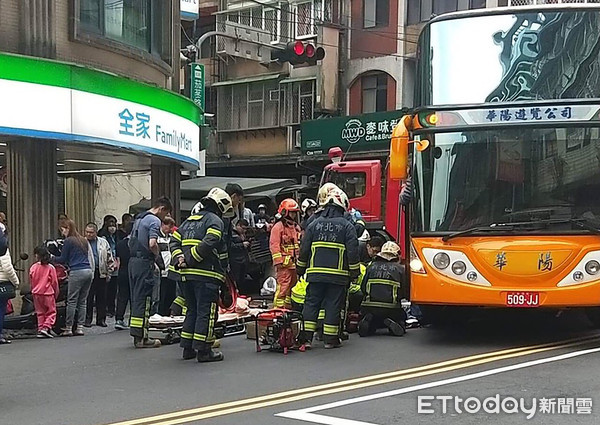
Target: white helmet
[[306, 204], [197, 208], [338, 197], [324, 192], [223, 201]]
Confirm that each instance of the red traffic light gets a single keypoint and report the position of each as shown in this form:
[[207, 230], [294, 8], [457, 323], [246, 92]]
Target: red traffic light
[[299, 48], [309, 50]]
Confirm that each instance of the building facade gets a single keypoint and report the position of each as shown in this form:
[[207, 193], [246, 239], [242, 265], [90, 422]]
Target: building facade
[[259, 104], [89, 92]]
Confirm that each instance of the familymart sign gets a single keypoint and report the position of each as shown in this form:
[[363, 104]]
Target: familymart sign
[[357, 133], [54, 100]]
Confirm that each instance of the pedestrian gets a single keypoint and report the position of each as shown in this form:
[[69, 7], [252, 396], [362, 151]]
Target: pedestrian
[[104, 265], [143, 264], [236, 193], [248, 215], [109, 232], [44, 287], [381, 306], [77, 255], [284, 244], [167, 287], [239, 258], [126, 220], [202, 268], [8, 276], [329, 257], [123, 290]]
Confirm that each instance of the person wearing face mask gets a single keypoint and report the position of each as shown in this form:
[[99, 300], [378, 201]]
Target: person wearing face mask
[[109, 231]]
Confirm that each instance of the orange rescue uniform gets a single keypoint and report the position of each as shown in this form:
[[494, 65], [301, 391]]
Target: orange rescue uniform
[[284, 244]]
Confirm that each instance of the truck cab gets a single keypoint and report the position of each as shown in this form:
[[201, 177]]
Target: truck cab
[[370, 190]]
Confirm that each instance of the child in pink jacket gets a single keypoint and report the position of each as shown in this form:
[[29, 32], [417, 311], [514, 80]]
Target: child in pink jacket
[[44, 287]]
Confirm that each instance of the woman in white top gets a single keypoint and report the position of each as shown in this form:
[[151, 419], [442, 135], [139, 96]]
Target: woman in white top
[[7, 274]]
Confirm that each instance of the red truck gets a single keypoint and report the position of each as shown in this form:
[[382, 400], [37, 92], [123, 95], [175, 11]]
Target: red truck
[[371, 191]]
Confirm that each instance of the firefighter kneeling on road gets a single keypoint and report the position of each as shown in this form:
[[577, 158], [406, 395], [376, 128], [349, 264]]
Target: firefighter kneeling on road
[[381, 286], [329, 256], [196, 248], [284, 238]]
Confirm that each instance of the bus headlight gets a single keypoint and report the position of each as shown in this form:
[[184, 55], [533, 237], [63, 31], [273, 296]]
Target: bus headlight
[[592, 267], [472, 276], [578, 276], [441, 260], [459, 267]]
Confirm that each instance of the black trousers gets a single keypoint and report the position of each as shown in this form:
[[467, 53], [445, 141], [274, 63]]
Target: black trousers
[[331, 298], [178, 307], [238, 270], [97, 298], [379, 314], [123, 295], [168, 292], [111, 295], [141, 280], [202, 313]]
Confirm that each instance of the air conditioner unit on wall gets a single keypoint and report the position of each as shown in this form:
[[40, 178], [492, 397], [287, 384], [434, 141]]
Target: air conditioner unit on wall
[[294, 140]]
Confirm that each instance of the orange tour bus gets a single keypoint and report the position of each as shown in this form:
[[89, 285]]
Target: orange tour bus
[[504, 157]]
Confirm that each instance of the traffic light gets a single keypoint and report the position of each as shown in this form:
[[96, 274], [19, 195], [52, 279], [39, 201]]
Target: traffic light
[[298, 52]]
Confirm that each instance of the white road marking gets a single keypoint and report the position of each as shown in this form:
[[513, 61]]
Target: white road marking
[[308, 415]]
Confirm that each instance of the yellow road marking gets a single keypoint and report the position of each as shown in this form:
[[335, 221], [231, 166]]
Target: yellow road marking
[[222, 409]]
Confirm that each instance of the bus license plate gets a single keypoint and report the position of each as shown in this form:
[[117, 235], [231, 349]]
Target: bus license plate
[[522, 299]]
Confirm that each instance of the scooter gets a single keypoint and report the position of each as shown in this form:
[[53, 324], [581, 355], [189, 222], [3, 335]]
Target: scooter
[[27, 319]]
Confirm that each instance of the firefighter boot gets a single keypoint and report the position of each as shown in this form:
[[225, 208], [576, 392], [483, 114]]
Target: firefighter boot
[[332, 342], [209, 356], [395, 328], [364, 326], [189, 353]]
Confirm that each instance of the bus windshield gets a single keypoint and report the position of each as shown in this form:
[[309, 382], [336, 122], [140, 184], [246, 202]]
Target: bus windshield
[[476, 178], [515, 56]]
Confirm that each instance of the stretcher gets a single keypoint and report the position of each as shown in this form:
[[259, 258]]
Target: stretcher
[[168, 329]]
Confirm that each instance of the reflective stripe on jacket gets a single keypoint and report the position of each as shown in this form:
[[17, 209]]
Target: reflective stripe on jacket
[[199, 240], [382, 283], [329, 250]]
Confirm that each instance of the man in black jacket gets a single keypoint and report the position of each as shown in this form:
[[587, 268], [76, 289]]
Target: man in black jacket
[[238, 253], [329, 257]]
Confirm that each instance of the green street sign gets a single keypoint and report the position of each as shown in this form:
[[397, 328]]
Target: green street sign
[[197, 86], [355, 134]]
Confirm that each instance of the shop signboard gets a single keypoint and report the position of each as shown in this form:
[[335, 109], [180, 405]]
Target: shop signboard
[[197, 86], [75, 104], [189, 10], [359, 133]]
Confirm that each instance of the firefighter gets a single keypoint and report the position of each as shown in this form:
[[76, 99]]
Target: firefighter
[[382, 288], [309, 206], [329, 256], [284, 244], [197, 248], [143, 264]]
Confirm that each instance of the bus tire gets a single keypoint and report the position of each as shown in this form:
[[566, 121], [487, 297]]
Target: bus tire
[[593, 315]]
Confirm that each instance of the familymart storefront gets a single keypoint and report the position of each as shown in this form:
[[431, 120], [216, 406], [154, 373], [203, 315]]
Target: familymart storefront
[[62, 124]]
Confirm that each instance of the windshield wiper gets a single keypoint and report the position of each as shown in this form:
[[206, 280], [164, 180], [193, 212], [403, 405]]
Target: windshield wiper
[[490, 228], [579, 222]]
